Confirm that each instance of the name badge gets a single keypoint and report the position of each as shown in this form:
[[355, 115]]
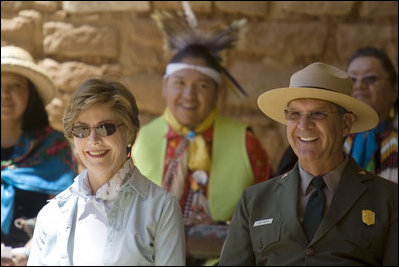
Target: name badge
[[262, 222]]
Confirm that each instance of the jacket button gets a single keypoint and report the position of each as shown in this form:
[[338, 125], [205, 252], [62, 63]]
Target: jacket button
[[309, 252], [260, 244]]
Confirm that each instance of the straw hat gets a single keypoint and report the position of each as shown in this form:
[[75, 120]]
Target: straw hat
[[319, 81], [18, 60]]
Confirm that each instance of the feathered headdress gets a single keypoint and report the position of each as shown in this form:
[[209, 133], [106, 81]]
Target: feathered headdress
[[181, 31]]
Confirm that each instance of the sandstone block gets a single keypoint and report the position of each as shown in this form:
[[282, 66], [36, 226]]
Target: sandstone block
[[46, 6], [378, 9], [315, 8], [147, 88], [256, 78], [144, 31], [350, 37], [196, 6], [55, 110], [15, 5], [304, 39], [139, 57], [20, 31], [69, 41], [69, 75], [105, 6], [249, 8]]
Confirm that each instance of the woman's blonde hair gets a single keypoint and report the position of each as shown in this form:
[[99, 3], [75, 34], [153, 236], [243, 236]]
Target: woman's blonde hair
[[100, 91]]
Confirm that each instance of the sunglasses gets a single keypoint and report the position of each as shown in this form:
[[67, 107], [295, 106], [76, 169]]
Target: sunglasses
[[103, 129]]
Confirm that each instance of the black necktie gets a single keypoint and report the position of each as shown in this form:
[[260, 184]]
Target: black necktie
[[314, 208]]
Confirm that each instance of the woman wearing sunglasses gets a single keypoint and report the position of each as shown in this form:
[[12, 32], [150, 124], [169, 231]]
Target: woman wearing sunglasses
[[111, 214]]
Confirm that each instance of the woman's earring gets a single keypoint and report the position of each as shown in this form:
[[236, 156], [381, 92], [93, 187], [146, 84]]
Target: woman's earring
[[129, 150]]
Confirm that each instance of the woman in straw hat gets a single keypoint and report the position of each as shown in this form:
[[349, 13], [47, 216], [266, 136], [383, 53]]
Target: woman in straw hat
[[36, 160], [201, 157], [327, 210]]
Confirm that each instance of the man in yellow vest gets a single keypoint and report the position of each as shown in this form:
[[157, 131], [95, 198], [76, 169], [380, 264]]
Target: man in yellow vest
[[206, 160]]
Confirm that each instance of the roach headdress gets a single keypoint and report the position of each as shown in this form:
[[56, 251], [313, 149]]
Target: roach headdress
[[181, 31]]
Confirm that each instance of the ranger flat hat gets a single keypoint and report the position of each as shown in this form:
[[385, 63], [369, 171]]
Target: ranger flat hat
[[319, 81]]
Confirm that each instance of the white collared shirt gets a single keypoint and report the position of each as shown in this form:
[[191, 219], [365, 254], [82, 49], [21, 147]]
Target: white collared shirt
[[91, 228], [144, 225]]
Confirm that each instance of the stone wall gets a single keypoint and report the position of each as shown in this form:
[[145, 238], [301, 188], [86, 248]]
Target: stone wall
[[77, 40]]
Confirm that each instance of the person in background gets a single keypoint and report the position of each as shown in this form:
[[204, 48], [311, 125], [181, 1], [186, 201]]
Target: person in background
[[36, 160], [375, 82], [111, 214], [327, 210], [201, 157]]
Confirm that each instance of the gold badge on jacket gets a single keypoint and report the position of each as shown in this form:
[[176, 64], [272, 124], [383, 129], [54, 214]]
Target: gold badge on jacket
[[368, 217]]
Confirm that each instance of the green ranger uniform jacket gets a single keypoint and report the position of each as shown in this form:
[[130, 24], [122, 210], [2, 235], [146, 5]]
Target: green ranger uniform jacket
[[360, 226]]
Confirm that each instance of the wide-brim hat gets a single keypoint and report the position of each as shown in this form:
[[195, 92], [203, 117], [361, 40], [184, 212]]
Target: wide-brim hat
[[17, 60], [319, 81]]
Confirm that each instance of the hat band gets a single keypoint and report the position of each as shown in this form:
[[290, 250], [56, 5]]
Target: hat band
[[316, 87], [174, 67], [17, 58]]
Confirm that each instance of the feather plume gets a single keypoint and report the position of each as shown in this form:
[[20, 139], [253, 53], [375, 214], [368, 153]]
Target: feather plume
[[226, 38], [180, 31], [191, 19], [177, 32]]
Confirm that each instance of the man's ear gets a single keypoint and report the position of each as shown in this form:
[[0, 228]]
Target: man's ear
[[348, 120]]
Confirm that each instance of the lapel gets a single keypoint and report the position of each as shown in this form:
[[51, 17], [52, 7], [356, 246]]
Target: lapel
[[287, 200], [349, 189], [68, 208]]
